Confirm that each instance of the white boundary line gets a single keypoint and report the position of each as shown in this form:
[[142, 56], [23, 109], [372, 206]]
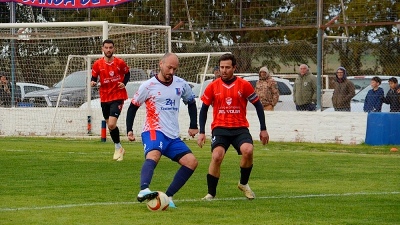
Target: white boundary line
[[197, 200]]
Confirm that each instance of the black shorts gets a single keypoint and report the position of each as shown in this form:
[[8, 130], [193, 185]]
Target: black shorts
[[112, 108], [225, 137]]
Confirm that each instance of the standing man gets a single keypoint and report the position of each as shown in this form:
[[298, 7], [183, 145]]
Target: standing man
[[374, 98], [161, 94], [305, 90], [5, 91], [393, 95], [343, 91], [267, 89], [216, 72], [113, 74], [229, 96]]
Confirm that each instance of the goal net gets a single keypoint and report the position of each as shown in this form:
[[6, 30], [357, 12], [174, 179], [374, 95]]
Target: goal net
[[37, 54]]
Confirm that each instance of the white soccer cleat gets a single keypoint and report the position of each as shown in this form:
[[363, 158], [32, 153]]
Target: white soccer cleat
[[119, 154], [245, 188], [146, 194], [208, 197]]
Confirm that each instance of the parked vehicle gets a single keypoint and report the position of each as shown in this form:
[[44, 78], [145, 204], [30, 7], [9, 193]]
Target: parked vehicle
[[357, 102], [361, 82], [22, 88], [74, 90]]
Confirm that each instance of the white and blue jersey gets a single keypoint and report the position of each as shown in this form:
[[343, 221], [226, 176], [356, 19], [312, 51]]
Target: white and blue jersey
[[162, 104]]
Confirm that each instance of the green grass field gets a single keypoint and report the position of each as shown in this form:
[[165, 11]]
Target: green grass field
[[74, 181]]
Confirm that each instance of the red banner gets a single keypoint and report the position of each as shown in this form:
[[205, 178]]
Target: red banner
[[69, 4]]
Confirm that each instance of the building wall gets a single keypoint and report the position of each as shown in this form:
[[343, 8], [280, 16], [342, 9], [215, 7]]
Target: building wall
[[317, 127]]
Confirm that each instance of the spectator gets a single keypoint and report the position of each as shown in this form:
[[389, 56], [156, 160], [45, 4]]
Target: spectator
[[5, 91], [267, 89], [374, 99], [343, 92], [216, 72], [393, 95], [305, 90]]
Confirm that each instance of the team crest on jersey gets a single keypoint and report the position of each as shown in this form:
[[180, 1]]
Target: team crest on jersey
[[228, 100], [178, 91], [111, 73]]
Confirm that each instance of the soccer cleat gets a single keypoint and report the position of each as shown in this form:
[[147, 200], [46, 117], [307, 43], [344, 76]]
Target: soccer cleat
[[171, 204], [119, 154], [208, 197], [146, 194], [245, 188]]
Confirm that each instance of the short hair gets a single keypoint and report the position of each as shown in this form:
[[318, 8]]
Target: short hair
[[393, 79], [216, 68], [108, 41], [377, 79], [228, 56]]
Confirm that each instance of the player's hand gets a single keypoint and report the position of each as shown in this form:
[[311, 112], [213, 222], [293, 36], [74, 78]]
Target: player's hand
[[121, 85], [193, 132], [131, 137], [201, 139], [264, 137], [93, 83]]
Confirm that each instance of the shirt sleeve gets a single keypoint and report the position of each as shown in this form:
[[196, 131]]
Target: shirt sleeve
[[207, 96]]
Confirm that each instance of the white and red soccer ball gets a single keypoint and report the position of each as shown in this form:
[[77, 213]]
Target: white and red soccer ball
[[160, 203]]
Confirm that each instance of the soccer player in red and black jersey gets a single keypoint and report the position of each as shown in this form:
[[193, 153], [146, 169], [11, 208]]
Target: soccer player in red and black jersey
[[113, 74], [228, 97]]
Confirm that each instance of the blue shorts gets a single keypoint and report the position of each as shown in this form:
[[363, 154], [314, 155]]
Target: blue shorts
[[174, 149]]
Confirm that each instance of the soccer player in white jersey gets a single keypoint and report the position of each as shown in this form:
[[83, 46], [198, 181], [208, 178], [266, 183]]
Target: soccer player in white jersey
[[161, 94]]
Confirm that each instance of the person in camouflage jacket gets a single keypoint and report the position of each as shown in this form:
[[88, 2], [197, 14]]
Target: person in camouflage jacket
[[267, 89]]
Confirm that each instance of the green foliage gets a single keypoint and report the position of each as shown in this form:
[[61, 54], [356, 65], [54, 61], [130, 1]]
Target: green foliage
[[74, 181]]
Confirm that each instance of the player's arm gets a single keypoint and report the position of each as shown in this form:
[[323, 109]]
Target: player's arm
[[94, 78], [192, 109], [130, 117], [127, 77], [264, 136], [202, 123]]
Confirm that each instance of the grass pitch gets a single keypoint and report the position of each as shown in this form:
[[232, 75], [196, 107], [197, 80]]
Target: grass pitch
[[74, 181]]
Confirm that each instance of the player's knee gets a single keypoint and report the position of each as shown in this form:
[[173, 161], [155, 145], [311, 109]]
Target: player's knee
[[112, 126], [247, 151]]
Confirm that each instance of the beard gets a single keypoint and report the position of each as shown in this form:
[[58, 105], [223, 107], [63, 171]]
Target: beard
[[108, 54]]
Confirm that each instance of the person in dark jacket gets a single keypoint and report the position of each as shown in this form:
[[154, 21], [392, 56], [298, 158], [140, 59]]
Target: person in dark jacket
[[343, 92], [374, 99], [393, 95]]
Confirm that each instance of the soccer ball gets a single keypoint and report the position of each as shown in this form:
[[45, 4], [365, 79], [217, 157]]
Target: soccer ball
[[160, 203]]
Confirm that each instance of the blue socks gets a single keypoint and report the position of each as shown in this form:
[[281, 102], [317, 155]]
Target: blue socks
[[147, 173], [181, 176]]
